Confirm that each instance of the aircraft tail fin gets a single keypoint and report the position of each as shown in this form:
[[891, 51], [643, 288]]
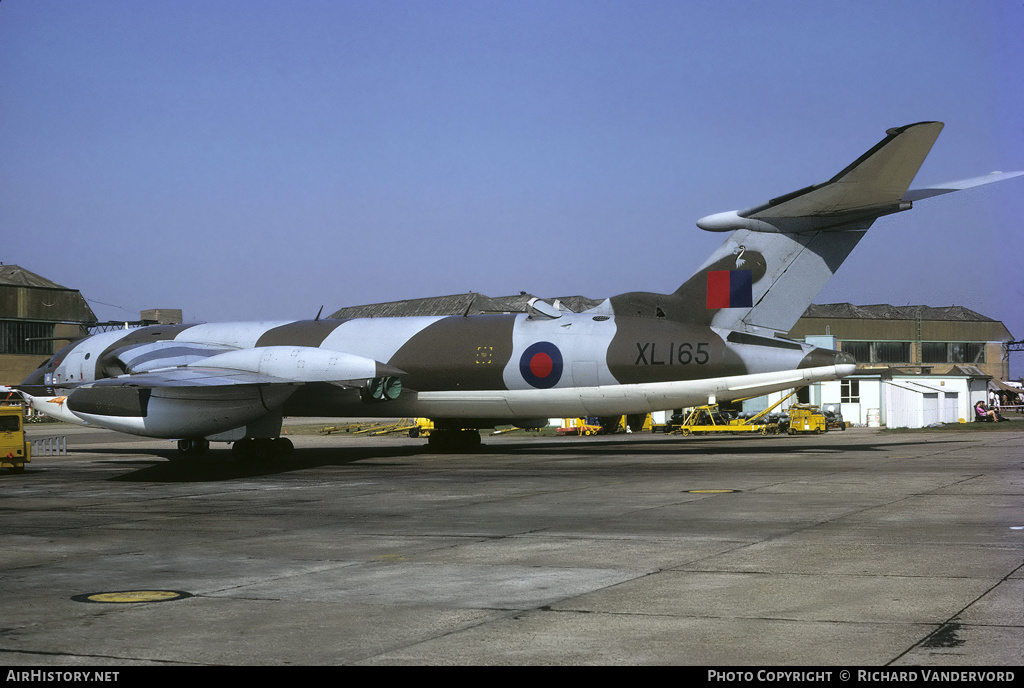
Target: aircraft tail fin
[[783, 252]]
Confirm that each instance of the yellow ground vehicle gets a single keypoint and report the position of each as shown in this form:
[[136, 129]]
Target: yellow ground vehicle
[[15, 452], [806, 418], [421, 426], [709, 419]]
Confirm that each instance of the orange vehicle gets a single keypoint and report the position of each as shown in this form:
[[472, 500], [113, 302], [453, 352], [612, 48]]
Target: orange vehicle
[[579, 426]]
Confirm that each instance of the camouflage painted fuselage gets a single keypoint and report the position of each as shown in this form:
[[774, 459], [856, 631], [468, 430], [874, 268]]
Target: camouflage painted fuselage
[[477, 370]]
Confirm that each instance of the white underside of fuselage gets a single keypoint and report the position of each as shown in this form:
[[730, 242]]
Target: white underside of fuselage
[[511, 405], [604, 399]]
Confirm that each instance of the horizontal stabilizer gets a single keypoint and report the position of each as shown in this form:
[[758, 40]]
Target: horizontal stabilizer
[[872, 186], [878, 178], [949, 187]]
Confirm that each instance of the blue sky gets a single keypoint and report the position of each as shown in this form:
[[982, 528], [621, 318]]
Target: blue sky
[[259, 159]]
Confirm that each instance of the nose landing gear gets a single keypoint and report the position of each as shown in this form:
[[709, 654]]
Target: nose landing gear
[[194, 446]]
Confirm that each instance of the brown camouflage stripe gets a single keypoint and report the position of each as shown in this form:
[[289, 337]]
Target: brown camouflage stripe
[[458, 353]]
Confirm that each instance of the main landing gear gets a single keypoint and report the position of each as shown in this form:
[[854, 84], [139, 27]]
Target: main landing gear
[[453, 440], [249, 449], [262, 449]]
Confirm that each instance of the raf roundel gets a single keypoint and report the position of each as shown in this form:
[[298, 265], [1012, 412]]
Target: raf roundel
[[541, 365]]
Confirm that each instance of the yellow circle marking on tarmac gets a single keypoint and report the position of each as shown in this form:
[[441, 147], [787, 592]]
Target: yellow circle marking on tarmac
[[710, 491], [132, 596]]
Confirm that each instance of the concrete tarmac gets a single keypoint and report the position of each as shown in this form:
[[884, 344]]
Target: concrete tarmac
[[851, 548]]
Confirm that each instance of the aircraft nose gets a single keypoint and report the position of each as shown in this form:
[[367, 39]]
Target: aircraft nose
[[35, 382]]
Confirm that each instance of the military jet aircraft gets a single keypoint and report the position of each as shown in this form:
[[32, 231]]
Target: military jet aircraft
[[716, 337]]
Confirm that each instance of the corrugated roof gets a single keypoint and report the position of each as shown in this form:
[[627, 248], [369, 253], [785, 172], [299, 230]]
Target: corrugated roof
[[884, 311], [472, 303], [25, 295], [968, 371], [16, 276]]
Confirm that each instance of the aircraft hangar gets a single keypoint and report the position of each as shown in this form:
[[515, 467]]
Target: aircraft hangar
[[38, 317], [35, 313]]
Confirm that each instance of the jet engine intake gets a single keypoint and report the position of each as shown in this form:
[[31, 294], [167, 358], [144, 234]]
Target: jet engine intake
[[381, 389]]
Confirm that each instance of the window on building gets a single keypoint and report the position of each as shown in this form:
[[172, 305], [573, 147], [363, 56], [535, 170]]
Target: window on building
[[934, 352], [878, 352], [953, 352], [966, 352], [21, 337], [861, 351], [890, 352], [849, 391]]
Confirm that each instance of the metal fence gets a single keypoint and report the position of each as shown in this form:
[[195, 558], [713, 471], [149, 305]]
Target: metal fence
[[50, 446]]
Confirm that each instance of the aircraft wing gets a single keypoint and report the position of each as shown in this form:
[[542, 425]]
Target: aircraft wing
[[216, 390], [192, 376], [269, 365]]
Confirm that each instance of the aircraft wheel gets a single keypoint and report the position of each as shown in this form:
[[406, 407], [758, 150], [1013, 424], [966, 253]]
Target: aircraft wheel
[[453, 440], [282, 446], [469, 439], [242, 450], [263, 448], [438, 440], [252, 450]]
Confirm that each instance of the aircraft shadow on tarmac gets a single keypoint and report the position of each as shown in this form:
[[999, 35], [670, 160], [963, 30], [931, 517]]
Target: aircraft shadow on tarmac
[[220, 465], [168, 466]]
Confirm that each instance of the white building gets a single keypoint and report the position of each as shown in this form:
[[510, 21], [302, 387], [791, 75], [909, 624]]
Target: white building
[[917, 365], [897, 400]]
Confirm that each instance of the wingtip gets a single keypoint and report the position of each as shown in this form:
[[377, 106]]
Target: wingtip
[[899, 130]]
